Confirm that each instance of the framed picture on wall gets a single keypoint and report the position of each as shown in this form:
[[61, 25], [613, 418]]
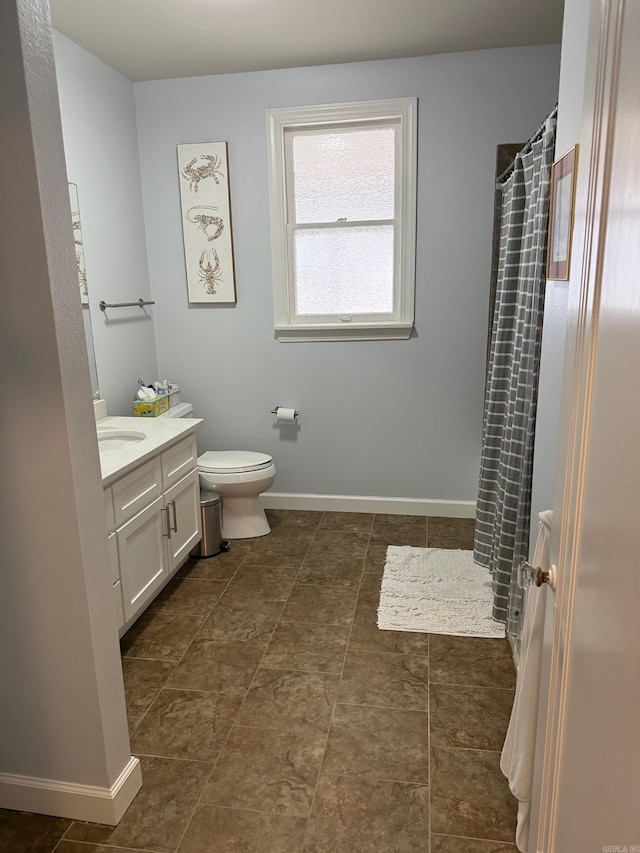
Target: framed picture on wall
[[206, 221], [563, 192], [77, 239]]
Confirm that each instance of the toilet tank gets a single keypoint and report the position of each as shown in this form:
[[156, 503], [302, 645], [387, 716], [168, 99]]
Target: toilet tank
[[182, 410]]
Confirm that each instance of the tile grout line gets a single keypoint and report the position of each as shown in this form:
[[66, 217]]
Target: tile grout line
[[335, 701], [343, 667], [90, 844], [346, 651], [472, 686], [452, 684], [177, 663], [251, 810], [162, 686], [426, 545], [324, 751], [170, 758], [221, 750], [474, 838], [197, 802], [384, 707], [429, 733], [468, 749]]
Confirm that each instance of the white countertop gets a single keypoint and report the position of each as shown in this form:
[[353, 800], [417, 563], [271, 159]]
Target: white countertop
[[160, 432]]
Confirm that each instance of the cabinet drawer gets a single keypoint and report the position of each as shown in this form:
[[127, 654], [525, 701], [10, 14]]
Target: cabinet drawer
[[178, 461], [108, 510], [137, 490]]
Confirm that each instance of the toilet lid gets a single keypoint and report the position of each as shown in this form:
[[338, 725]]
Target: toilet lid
[[226, 461]]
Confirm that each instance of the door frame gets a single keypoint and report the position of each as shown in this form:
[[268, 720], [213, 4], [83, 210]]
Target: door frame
[[581, 344]]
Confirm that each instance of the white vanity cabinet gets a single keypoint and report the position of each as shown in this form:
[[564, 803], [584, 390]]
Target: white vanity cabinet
[[155, 512]]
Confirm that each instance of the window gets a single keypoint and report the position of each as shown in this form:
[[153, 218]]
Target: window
[[342, 182]]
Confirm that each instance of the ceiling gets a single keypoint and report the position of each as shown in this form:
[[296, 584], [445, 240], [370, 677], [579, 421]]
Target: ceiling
[[159, 39]]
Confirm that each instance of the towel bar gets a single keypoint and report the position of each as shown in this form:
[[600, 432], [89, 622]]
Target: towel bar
[[140, 303]]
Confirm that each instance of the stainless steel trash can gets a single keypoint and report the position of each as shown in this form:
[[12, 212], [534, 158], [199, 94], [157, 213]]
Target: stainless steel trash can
[[212, 542]]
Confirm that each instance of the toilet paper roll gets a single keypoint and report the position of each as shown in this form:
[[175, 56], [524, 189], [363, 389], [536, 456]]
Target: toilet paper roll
[[285, 416]]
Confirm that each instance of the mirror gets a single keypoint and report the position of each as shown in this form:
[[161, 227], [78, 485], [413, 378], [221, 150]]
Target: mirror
[[84, 291]]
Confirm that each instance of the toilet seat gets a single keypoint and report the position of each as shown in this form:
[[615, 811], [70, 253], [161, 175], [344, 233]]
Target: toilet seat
[[233, 461]]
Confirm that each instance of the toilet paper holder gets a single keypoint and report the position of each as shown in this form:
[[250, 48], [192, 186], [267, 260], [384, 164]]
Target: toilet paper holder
[[274, 411]]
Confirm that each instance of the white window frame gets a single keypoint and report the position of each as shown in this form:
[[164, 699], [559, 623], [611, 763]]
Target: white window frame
[[396, 325]]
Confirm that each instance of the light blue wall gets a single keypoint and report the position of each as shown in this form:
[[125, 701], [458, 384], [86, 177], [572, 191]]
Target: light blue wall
[[396, 418], [569, 129], [101, 150]]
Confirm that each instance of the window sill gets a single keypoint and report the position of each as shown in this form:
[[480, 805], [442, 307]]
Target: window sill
[[344, 332]]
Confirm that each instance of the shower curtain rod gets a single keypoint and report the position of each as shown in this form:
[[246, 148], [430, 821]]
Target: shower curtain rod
[[537, 136]]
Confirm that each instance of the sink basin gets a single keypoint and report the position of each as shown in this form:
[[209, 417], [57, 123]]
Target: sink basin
[[117, 439]]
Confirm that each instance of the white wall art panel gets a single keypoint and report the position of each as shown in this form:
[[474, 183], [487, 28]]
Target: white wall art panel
[[206, 221], [77, 239]]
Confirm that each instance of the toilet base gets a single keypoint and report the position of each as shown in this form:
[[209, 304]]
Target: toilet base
[[243, 518]]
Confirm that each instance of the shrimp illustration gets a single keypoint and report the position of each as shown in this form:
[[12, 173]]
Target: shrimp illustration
[[206, 221]]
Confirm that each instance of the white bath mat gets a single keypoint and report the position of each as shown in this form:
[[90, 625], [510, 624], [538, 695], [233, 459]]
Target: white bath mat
[[436, 591]]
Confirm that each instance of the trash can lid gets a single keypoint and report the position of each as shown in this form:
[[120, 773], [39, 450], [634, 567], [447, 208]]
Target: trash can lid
[[208, 498]]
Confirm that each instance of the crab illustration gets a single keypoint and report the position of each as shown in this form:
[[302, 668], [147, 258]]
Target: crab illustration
[[205, 221], [209, 273], [209, 167], [77, 232]]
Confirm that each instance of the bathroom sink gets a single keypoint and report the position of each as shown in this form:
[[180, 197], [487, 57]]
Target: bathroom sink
[[117, 439]]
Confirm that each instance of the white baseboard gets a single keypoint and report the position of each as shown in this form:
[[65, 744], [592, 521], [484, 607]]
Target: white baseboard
[[78, 802], [364, 503]]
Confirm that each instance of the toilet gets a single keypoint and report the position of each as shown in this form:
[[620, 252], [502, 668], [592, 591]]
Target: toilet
[[239, 476]]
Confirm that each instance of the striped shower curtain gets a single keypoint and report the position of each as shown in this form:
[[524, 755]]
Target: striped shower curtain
[[504, 493]]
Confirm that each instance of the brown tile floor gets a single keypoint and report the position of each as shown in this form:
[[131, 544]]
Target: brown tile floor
[[272, 716]]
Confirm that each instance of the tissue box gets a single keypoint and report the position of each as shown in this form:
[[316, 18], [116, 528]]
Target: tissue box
[[151, 408]]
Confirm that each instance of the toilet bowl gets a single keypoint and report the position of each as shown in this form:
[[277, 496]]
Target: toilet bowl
[[239, 476]]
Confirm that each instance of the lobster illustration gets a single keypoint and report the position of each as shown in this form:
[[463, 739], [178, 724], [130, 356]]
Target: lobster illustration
[[209, 273]]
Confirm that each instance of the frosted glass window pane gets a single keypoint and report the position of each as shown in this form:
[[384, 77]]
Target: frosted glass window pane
[[344, 270], [345, 173]]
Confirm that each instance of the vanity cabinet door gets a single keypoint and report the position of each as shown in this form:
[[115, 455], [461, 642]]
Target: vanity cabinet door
[[142, 557], [183, 507]]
